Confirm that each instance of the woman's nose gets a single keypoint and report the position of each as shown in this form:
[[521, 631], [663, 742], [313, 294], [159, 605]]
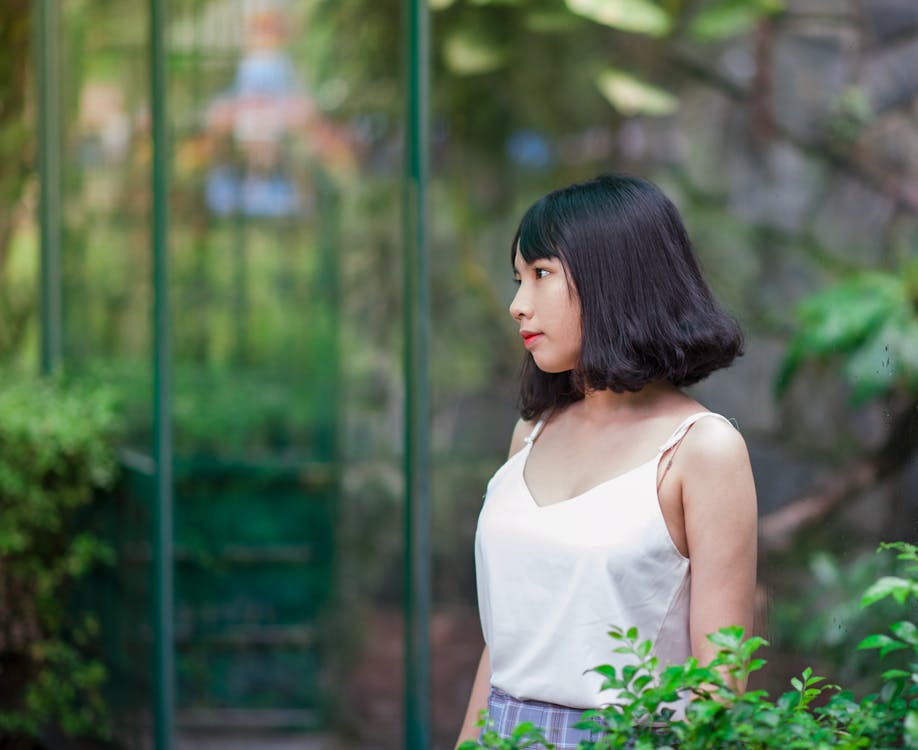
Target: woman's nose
[[520, 307]]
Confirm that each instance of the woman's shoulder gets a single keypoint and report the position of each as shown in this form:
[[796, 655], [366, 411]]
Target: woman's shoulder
[[713, 443], [521, 431]]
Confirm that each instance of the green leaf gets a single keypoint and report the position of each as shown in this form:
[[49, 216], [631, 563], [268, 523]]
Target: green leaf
[[704, 710], [606, 671], [911, 729], [898, 588], [841, 319], [905, 631], [882, 642], [639, 16], [843, 315], [470, 51], [875, 367], [632, 96], [641, 682], [906, 550], [728, 18], [552, 20], [788, 700], [755, 665], [727, 638]]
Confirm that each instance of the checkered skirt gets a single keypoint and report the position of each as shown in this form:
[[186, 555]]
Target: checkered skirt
[[556, 722]]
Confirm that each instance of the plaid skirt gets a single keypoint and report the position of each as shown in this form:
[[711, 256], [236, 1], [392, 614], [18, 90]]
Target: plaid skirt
[[556, 722]]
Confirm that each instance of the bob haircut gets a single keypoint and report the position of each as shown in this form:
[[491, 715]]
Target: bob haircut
[[647, 313]]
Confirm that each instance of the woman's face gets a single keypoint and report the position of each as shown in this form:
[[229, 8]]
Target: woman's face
[[547, 310]]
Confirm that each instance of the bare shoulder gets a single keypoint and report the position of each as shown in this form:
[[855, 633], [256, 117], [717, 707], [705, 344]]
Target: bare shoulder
[[716, 475], [520, 431], [714, 444]]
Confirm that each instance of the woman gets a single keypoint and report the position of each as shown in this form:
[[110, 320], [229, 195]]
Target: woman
[[624, 501]]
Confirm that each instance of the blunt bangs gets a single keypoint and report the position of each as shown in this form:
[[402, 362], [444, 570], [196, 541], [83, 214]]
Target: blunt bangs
[[536, 237], [647, 313]]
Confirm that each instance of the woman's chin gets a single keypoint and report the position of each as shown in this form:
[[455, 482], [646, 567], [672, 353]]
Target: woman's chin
[[552, 367]]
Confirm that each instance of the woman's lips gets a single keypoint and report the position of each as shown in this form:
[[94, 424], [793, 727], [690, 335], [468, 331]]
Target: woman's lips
[[529, 337]]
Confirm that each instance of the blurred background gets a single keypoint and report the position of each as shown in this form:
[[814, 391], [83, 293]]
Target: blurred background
[[786, 131]]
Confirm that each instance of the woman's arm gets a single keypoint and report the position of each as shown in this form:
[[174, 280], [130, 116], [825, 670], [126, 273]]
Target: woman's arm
[[719, 506], [481, 687], [478, 699]]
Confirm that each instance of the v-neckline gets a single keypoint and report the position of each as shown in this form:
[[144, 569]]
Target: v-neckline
[[580, 495]]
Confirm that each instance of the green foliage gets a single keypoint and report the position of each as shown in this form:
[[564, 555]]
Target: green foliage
[[811, 715], [727, 18], [56, 450], [850, 115], [225, 412], [869, 321], [17, 138], [527, 50], [526, 735], [631, 96], [821, 614], [639, 16], [472, 49]]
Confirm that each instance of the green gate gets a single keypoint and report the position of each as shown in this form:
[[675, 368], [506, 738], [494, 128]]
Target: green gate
[[188, 224], [187, 180]]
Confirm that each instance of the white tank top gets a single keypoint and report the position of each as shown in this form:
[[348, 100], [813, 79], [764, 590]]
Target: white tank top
[[553, 579]]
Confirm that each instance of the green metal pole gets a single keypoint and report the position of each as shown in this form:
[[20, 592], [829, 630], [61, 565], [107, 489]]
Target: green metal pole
[[46, 17], [328, 234], [417, 390], [164, 643]]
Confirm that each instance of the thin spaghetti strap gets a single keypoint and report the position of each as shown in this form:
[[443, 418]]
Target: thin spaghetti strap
[[683, 428], [531, 437], [675, 440]]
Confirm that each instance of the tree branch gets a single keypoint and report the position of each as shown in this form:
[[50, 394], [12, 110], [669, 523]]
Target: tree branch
[[815, 504]]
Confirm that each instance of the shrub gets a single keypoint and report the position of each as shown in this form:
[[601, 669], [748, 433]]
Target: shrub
[[56, 450], [810, 716]]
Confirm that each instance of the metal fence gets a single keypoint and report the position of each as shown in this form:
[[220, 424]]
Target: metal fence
[[190, 191]]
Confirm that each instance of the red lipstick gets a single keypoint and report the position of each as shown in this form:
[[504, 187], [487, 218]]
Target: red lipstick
[[530, 337]]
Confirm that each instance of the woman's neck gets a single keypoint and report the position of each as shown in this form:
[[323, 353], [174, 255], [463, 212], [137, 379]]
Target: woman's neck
[[604, 404]]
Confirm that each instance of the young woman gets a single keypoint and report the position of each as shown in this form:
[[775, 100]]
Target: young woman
[[624, 501]]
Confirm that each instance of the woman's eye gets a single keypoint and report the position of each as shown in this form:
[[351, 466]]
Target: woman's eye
[[541, 273]]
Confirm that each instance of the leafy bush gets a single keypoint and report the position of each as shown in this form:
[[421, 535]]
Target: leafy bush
[[56, 450], [870, 322], [810, 716], [225, 412], [819, 614]]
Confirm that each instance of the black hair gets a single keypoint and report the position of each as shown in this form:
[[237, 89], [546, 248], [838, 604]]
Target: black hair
[[647, 314]]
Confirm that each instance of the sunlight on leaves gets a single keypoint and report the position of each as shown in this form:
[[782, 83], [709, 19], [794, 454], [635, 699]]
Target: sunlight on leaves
[[640, 16], [468, 53], [728, 18], [894, 586], [632, 96], [552, 20]]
